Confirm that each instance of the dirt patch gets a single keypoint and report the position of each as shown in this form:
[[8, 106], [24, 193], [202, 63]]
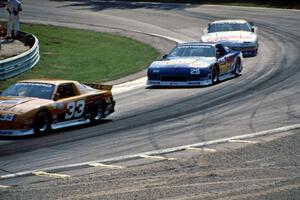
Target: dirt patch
[[10, 48]]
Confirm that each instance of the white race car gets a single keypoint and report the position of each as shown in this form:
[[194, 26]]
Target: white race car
[[238, 35]]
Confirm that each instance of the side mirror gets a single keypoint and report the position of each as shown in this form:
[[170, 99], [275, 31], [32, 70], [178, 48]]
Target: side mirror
[[227, 48], [253, 29], [218, 54], [56, 96], [165, 56]]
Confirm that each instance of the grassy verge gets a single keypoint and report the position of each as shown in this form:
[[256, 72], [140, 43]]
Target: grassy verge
[[84, 55]]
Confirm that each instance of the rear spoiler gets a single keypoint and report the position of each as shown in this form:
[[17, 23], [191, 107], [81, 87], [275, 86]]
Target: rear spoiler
[[99, 86]]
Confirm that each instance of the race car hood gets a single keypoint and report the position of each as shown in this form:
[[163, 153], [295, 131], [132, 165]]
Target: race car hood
[[230, 36], [19, 105], [181, 62]]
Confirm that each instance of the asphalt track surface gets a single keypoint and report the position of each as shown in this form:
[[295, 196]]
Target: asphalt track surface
[[265, 97]]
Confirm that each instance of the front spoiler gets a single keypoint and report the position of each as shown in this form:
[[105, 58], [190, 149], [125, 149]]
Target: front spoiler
[[249, 53], [245, 50], [175, 83]]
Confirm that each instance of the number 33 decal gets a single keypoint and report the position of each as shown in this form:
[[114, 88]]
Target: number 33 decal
[[75, 109]]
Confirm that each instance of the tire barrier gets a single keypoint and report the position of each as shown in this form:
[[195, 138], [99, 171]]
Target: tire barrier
[[16, 65]]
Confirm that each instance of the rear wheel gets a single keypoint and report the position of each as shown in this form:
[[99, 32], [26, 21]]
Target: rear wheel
[[97, 111], [214, 75], [42, 123]]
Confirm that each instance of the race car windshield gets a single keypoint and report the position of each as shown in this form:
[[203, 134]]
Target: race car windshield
[[193, 51], [38, 90], [228, 27]]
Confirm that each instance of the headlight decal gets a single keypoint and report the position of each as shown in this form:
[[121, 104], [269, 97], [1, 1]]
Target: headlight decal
[[155, 70]]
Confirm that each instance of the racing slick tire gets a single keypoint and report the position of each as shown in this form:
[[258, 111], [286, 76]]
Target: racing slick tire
[[237, 67], [214, 75], [97, 111], [42, 123]]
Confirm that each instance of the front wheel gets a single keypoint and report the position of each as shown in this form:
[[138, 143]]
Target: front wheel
[[237, 67], [42, 123], [214, 75], [97, 113]]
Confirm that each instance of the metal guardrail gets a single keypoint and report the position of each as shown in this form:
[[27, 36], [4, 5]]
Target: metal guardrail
[[16, 65]]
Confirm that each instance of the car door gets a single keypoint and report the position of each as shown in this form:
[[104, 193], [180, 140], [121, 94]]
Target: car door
[[73, 103], [224, 59]]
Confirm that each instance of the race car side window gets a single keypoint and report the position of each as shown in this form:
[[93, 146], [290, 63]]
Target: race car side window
[[65, 91]]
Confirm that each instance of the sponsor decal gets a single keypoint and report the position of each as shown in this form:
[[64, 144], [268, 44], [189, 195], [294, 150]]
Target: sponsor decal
[[195, 46], [11, 101], [229, 37], [35, 84]]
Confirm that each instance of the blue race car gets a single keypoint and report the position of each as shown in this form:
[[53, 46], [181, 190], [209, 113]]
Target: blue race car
[[195, 64]]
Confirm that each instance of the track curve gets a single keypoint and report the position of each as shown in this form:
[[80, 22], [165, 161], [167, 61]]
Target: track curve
[[264, 97]]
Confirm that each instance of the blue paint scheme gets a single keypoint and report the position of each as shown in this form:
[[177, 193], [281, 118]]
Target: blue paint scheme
[[194, 70]]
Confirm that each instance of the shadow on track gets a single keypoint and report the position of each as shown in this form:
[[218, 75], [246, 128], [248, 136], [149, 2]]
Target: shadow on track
[[106, 4], [78, 127]]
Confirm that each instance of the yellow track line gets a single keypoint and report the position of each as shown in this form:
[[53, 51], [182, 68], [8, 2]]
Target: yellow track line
[[201, 149], [243, 141], [52, 175], [157, 157], [106, 166]]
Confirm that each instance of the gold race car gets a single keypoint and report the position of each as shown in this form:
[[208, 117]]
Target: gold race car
[[37, 106]]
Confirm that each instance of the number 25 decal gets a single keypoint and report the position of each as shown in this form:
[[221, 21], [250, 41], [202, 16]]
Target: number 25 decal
[[75, 109]]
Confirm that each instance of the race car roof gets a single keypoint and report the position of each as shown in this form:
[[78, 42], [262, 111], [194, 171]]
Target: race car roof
[[196, 44], [49, 81], [239, 21]]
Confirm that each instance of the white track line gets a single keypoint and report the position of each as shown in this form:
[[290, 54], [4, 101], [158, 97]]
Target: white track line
[[157, 152], [130, 85], [4, 186]]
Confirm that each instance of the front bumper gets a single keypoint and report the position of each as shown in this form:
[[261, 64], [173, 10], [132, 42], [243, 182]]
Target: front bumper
[[109, 108], [16, 132]]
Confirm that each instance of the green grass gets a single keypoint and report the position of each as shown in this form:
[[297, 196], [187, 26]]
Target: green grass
[[84, 55]]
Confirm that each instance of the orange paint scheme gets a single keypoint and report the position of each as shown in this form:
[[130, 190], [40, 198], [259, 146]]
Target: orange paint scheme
[[37, 106]]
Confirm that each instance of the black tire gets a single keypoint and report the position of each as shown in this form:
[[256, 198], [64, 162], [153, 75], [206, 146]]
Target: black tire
[[237, 67], [42, 123], [214, 75], [97, 111]]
